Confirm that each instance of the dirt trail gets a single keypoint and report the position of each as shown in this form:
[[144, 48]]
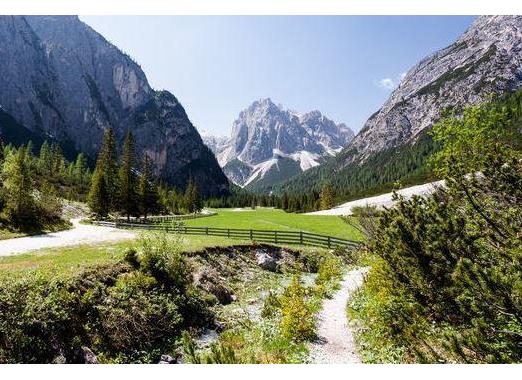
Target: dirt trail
[[79, 234], [335, 343]]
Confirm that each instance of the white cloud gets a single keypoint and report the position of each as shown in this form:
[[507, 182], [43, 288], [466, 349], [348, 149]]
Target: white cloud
[[386, 83], [390, 83]]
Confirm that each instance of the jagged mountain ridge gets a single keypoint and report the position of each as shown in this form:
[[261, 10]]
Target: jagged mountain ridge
[[268, 144], [485, 60], [61, 80]]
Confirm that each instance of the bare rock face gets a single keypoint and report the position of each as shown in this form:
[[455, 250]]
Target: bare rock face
[[269, 143], [61, 80], [486, 59]]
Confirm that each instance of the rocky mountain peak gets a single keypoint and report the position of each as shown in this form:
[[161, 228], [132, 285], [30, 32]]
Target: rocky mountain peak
[[265, 135], [486, 59]]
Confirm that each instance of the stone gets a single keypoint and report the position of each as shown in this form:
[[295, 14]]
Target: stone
[[266, 261], [167, 359], [88, 356]]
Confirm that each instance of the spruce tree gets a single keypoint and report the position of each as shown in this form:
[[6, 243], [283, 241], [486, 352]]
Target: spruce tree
[[128, 196], [192, 198], [107, 164], [17, 188], [98, 198], [45, 159], [81, 169], [326, 198], [148, 190]]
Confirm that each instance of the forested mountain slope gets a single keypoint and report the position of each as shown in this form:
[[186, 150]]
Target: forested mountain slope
[[395, 142]]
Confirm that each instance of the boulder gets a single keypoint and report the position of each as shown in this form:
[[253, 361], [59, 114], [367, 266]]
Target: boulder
[[88, 356], [266, 261], [167, 359]]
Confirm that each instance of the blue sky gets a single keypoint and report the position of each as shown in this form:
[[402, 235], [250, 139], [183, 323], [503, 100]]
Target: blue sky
[[344, 66]]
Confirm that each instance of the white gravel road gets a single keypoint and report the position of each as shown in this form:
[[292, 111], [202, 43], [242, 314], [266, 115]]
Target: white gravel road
[[335, 343], [383, 200], [79, 234]]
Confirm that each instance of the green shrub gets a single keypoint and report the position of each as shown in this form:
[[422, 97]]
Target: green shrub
[[123, 314], [330, 269], [271, 305], [297, 322]]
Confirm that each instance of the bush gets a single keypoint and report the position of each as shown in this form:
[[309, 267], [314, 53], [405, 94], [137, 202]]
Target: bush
[[123, 313], [330, 269], [271, 306], [450, 263], [297, 322]]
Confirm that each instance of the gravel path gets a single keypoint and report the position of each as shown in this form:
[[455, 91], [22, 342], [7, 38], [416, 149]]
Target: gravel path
[[335, 343], [383, 200], [79, 234]]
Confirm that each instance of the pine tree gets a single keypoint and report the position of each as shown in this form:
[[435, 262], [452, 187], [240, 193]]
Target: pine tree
[[128, 196], [107, 164], [45, 159], [17, 188], [148, 190], [98, 198], [81, 169], [192, 199], [326, 198], [58, 162]]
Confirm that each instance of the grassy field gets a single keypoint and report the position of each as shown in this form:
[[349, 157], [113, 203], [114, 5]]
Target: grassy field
[[70, 259], [272, 219]]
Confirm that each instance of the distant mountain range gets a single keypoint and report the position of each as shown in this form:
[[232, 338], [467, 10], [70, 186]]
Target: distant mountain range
[[60, 80], [269, 144], [394, 143]]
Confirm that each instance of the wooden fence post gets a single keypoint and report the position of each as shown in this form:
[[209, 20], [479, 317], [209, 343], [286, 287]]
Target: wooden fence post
[[206, 230], [329, 242], [301, 237], [251, 235], [228, 232], [275, 237]]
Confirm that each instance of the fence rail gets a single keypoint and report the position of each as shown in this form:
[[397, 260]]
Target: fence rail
[[270, 236], [158, 219]]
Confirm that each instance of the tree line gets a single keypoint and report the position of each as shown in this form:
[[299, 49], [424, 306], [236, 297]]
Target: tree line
[[124, 186], [31, 185], [298, 203]]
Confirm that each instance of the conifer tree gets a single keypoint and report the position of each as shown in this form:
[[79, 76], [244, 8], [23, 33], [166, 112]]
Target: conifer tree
[[45, 159], [81, 169], [192, 199], [128, 196], [148, 190], [107, 164], [98, 198], [17, 188], [326, 198]]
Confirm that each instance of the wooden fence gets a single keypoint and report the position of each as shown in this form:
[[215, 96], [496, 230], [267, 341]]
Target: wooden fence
[[159, 219], [267, 236]]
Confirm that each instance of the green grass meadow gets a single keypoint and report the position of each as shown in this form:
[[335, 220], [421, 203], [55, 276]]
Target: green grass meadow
[[273, 219], [71, 259]]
